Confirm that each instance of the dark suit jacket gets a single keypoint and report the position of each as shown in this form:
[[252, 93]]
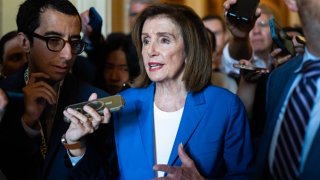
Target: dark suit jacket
[[278, 86], [19, 154]]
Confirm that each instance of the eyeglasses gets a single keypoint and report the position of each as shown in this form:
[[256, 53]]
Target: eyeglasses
[[56, 44], [262, 24]]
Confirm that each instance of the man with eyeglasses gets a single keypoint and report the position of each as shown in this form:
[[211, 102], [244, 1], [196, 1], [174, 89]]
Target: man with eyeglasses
[[32, 126]]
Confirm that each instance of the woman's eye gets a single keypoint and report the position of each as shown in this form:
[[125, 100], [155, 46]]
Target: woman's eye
[[165, 40], [145, 41]]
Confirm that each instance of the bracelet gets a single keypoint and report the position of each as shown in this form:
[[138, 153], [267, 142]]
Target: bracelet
[[76, 145]]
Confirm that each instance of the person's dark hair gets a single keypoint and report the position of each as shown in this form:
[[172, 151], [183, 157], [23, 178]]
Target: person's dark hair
[[216, 17], [28, 17], [7, 37], [119, 41], [196, 42]]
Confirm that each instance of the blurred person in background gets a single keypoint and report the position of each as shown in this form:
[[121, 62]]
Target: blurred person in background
[[217, 77], [252, 85], [12, 55], [137, 6], [119, 64], [217, 26]]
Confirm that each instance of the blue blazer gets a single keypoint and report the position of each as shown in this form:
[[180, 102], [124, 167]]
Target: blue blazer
[[213, 130], [278, 87]]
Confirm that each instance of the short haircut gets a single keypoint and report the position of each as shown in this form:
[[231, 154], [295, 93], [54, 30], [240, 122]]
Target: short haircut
[[7, 37], [196, 42], [216, 17], [28, 17]]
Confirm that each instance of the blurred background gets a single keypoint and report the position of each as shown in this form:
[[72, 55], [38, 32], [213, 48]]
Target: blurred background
[[115, 12]]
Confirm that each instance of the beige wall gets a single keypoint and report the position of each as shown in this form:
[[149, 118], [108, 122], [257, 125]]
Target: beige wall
[[9, 9]]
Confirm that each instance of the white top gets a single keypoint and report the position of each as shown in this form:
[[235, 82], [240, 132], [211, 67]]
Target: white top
[[312, 126], [166, 126]]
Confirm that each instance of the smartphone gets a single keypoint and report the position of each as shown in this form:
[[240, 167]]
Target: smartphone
[[280, 38], [113, 103], [95, 20], [243, 11], [250, 68]]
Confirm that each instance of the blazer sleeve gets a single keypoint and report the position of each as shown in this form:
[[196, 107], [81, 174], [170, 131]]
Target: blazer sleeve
[[238, 148]]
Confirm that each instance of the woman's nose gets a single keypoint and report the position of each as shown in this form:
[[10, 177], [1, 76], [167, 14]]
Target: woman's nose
[[152, 49]]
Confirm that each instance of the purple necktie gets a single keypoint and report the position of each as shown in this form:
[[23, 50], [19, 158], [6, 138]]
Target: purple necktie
[[290, 141]]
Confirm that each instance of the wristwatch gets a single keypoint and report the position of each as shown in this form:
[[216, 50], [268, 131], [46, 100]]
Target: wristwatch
[[70, 146]]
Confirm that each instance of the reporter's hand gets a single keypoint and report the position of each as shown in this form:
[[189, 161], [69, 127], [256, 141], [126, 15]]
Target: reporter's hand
[[86, 28], [37, 95], [187, 171], [279, 58], [238, 29], [82, 125]]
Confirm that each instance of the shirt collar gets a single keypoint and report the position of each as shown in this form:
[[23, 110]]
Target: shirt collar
[[307, 56]]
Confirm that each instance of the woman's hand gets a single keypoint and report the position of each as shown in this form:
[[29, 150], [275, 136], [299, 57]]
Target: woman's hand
[[187, 171]]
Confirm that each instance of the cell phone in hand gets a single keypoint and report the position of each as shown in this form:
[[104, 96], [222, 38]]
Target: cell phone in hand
[[280, 38], [243, 11], [249, 68], [113, 103], [95, 20]]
